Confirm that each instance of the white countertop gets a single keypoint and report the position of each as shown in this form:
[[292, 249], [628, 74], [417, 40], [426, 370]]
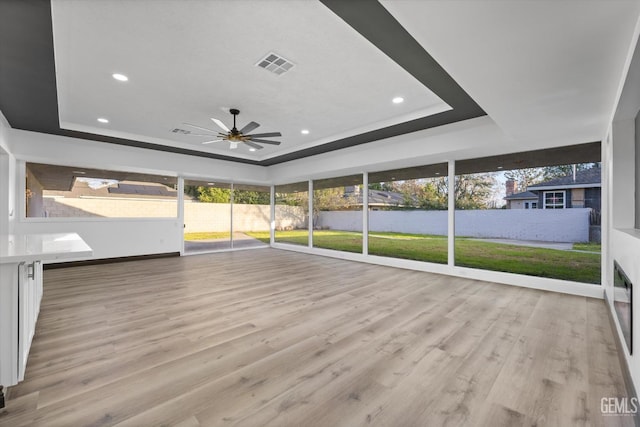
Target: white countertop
[[15, 248]]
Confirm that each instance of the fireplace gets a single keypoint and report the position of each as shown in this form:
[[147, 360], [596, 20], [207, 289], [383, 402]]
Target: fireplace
[[623, 303]]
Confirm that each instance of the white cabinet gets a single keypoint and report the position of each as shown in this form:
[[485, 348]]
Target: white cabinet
[[20, 296], [21, 288], [29, 298]]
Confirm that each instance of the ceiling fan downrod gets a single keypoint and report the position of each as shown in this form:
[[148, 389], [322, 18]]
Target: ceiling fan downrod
[[235, 112]]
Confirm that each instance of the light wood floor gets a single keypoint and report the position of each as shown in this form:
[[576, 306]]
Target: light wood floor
[[275, 338]]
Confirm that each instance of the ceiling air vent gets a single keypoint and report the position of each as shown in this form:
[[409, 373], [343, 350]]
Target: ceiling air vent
[[275, 63], [181, 131]]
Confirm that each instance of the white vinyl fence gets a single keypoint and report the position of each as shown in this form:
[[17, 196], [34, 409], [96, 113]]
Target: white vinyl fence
[[557, 225]]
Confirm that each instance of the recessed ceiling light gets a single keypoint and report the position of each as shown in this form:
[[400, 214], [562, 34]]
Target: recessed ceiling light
[[120, 77], [437, 173], [103, 120], [211, 183], [398, 100], [79, 172], [305, 131], [499, 167], [252, 149]]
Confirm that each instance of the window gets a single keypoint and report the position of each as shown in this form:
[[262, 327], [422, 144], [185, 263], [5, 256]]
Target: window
[[251, 215], [207, 216], [408, 213], [520, 238], [292, 213], [554, 199], [337, 213], [77, 192]]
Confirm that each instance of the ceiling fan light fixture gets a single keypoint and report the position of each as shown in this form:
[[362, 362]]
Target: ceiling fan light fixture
[[233, 144]]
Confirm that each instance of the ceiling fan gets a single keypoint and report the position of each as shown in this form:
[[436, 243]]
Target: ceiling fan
[[235, 136]]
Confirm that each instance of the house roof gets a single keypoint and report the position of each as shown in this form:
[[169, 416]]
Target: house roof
[[525, 195], [588, 177], [384, 198], [127, 189]]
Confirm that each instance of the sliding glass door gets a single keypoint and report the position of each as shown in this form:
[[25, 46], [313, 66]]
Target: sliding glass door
[[207, 216]]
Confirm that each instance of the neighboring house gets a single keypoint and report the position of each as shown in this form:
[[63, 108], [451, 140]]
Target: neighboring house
[[524, 200], [122, 189], [582, 190], [378, 199]]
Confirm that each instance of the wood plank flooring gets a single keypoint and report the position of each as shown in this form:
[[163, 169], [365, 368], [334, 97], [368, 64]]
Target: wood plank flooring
[[276, 338]]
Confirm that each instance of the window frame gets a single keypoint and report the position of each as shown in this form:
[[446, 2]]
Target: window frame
[[554, 205], [21, 191]]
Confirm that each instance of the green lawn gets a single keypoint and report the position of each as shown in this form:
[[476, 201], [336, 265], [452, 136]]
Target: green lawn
[[591, 247], [207, 235], [558, 264]]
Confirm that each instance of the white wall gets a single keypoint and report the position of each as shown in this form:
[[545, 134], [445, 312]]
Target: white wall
[[53, 149], [479, 137], [621, 241], [7, 180], [216, 217], [341, 220], [417, 148], [113, 238], [559, 225]]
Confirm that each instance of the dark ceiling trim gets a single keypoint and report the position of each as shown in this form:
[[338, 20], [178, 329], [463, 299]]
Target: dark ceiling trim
[[29, 100], [28, 94], [378, 26]]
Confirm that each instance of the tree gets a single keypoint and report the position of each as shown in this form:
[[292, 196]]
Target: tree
[[192, 191], [214, 195], [297, 198], [426, 193], [474, 191], [248, 197], [223, 195], [525, 177], [332, 199], [552, 172], [384, 186]]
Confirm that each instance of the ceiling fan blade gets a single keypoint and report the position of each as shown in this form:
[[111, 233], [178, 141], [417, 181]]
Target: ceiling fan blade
[[264, 141], [200, 127], [256, 146], [215, 140], [268, 135], [201, 134], [221, 125], [249, 127]]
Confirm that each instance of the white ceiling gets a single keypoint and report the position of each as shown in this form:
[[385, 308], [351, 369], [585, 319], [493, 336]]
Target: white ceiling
[[189, 61], [540, 69]]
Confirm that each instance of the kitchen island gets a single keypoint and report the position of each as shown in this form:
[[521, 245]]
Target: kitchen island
[[21, 287]]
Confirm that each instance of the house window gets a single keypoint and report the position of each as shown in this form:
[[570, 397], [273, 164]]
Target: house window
[[534, 205], [554, 199]]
